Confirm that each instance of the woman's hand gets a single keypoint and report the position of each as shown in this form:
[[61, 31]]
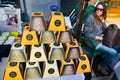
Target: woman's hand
[[99, 38]]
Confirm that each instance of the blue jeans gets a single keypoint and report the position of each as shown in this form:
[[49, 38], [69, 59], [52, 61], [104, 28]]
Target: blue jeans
[[109, 54], [117, 70], [117, 48]]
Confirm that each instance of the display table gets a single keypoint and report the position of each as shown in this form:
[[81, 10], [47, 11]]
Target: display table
[[69, 77]]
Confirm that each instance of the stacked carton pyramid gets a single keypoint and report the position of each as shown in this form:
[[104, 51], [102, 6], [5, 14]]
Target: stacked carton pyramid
[[46, 49]]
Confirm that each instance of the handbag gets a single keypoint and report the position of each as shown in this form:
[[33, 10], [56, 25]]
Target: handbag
[[111, 36]]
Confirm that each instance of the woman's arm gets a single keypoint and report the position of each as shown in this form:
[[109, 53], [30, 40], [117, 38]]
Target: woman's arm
[[99, 38], [89, 27]]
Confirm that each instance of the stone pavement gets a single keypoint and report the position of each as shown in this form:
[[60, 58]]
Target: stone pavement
[[113, 21]]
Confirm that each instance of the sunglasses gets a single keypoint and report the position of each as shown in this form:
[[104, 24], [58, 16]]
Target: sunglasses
[[99, 9]]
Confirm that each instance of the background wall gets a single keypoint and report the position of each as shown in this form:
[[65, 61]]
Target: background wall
[[67, 6], [28, 6]]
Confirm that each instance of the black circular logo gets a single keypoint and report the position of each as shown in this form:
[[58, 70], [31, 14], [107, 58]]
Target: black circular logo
[[67, 60], [37, 54], [72, 43], [84, 66], [29, 37], [57, 22], [32, 63], [13, 74], [13, 63], [50, 61], [17, 45], [57, 13], [51, 71], [37, 45], [56, 44], [83, 58]]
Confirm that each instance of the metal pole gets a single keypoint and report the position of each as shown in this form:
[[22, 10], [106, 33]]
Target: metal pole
[[82, 7]]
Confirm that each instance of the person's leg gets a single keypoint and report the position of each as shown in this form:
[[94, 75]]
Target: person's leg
[[107, 59], [117, 70], [110, 54], [114, 61], [117, 48]]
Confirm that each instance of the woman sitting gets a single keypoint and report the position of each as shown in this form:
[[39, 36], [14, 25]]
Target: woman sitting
[[93, 29]]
